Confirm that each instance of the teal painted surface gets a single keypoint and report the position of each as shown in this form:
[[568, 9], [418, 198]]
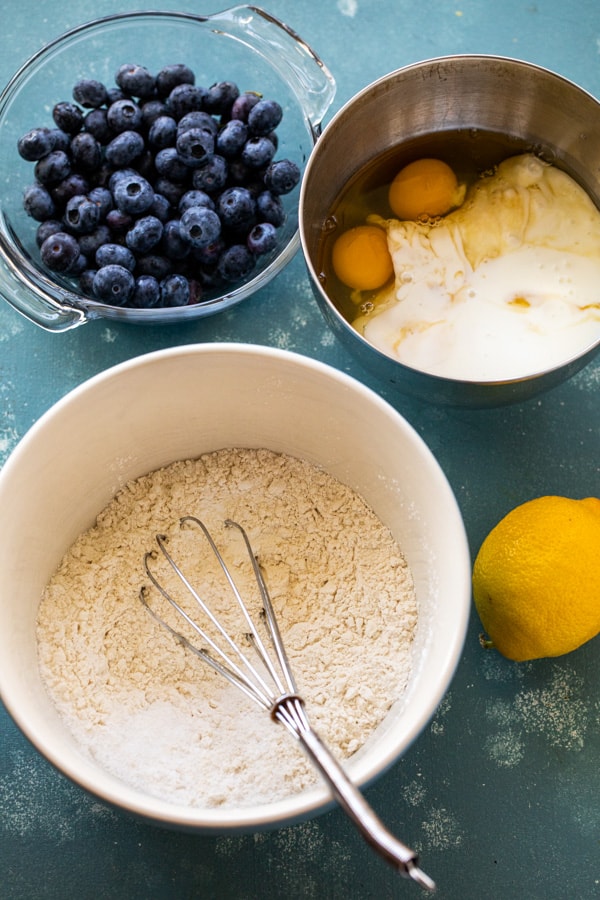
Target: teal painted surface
[[501, 792]]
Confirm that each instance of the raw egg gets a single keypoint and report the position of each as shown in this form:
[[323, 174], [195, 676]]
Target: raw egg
[[361, 259], [426, 187]]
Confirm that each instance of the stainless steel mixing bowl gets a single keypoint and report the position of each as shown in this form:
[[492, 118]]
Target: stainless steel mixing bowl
[[527, 105]]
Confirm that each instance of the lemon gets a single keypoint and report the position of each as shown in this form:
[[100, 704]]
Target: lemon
[[536, 578]]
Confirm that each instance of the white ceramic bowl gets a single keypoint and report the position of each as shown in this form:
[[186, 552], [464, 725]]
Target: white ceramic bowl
[[180, 403]]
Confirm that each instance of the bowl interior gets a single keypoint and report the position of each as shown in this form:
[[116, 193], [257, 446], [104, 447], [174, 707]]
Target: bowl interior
[[80, 453], [96, 50]]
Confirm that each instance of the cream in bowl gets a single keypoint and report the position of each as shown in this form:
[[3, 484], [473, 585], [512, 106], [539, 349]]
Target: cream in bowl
[[502, 279]]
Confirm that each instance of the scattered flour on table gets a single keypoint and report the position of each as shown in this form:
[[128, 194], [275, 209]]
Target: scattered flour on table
[[159, 718]]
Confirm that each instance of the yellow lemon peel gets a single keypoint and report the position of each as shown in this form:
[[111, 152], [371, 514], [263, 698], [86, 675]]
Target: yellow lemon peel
[[536, 578]]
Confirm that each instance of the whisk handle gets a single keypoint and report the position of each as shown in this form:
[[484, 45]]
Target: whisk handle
[[356, 807]]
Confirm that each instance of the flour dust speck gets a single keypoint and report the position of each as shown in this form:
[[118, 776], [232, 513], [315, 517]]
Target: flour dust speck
[[348, 7], [10, 324], [108, 336], [442, 830], [556, 713]]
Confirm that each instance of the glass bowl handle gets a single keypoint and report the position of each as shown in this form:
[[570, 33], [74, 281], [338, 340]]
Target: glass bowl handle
[[294, 59], [34, 304]]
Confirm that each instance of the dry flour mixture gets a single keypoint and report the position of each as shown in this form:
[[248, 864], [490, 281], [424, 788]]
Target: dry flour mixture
[[153, 714]]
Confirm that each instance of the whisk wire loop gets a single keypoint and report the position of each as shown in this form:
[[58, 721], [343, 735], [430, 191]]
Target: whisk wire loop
[[280, 697], [250, 680]]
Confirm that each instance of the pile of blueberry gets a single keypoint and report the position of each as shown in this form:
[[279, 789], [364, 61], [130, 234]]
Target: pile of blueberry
[[158, 192]]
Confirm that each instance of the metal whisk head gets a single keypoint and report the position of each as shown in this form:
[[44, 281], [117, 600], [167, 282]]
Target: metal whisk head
[[267, 679], [270, 684]]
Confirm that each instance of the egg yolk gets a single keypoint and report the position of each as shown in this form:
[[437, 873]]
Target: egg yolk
[[426, 187], [361, 259]]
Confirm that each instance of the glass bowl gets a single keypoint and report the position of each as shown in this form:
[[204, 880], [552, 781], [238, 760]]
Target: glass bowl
[[242, 44]]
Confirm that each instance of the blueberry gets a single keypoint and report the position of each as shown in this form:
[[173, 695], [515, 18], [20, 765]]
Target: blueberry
[[90, 243], [220, 97], [154, 264], [151, 111], [79, 266], [195, 147], [89, 93], [133, 194], [282, 176], [162, 132], [185, 98], [198, 118], [113, 94], [113, 284], [118, 174], [172, 191], [81, 214], [236, 207], [200, 226], [160, 208], [124, 115], [86, 281], [239, 173], [35, 144], [264, 117], [210, 254], [175, 291], [68, 117], [168, 164], [86, 152], [46, 229], [73, 184], [212, 176], [173, 243], [38, 202], [53, 168], [195, 198], [124, 148], [60, 139], [102, 197], [258, 152], [171, 76], [118, 222], [96, 123], [146, 293], [145, 234], [115, 255], [100, 177], [270, 208], [135, 80], [59, 251], [243, 104], [231, 138], [262, 238], [236, 263]]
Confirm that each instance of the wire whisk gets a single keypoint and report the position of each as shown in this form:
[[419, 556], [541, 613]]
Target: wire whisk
[[269, 682]]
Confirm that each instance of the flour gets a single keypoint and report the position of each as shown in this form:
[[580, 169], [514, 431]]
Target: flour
[[159, 718]]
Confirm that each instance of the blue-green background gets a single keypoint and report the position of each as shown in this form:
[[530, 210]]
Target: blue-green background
[[501, 792]]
